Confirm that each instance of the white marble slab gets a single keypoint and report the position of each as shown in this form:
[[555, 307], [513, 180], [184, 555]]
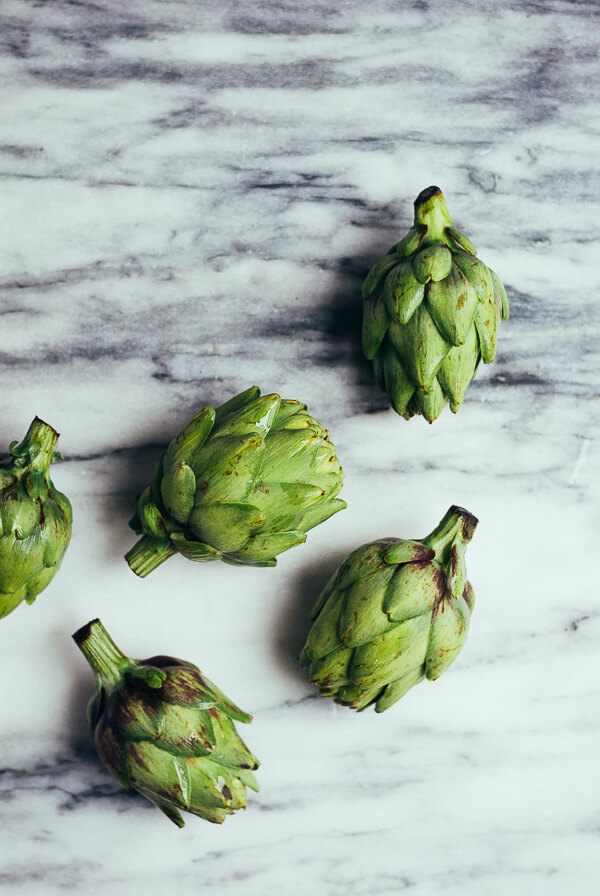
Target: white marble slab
[[191, 195]]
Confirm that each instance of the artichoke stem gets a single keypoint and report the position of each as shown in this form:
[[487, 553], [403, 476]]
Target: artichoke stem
[[108, 663], [38, 447], [457, 525], [432, 212], [148, 554]]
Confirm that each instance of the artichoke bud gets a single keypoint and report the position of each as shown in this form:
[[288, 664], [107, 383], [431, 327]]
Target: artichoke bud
[[395, 612], [431, 314], [242, 483], [35, 518], [161, 728]]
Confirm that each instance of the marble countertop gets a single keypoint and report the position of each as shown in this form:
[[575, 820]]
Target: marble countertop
[[191, 195]]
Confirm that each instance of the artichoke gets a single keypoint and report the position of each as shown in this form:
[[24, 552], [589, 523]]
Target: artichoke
[[35, 518], [395, 612], [241, 483], [163, 729], [431, 314]]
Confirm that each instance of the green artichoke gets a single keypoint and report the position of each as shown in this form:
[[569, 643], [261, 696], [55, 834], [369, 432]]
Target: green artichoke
[[35, 518], [431, 314], [163, 729], [395, 612], [241, 483]]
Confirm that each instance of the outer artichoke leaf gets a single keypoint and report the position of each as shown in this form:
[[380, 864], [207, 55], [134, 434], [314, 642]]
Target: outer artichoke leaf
[[500, 296], [184, 732], [420, 346], [230, 750], [477, 273], [157, 480], [431, 401], [151, 518], [255, 417], [159, 771], [364, 561], [20, 559], [458, 240], [36, 584], [20, 515], [362, 617], [357, 698], [184, 446], [331, 671], [165, 807], [406, 551], [265, 547], [374, 326], [452, 303], [185, 685], [377, 274], [283, 503], [402, 292], [248, 779], [413, 591], [55, 533], [411, 242], [178, 489], [227, 705], [226, 468], [434, 262], [111, 752], [398, 385], [457, 569], [390, 655], [320, 512], [378, 372], [458, 367], [449, 629], [232, 560], [323, 636], [292, 455], [137, 714], [398, 688], [209, 789], [293, 414], [225, 526], [235, 404], [487, 321], [194, 550]]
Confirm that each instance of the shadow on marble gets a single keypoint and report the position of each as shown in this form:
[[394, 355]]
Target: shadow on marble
[[131, 471], [293, 622]]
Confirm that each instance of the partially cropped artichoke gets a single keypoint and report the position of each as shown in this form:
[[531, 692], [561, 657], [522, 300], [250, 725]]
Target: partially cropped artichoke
[[35, 518], [241, 483], [395, 612], [163, 729], [431, 314]]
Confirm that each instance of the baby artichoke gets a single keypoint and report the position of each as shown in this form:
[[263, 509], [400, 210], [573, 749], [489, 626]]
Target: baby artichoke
[[35, 518], [241, 483], [395, 612], [163, 729], [431, 314]]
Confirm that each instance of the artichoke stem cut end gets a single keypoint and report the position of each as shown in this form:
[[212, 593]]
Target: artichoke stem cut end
[[432, 212], [38, 448], [148, 554], [457, 525], [106, 660]]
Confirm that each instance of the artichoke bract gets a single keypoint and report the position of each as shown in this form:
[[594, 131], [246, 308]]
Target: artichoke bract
[[35, 518], [431, 314], [395, 612], [161, 728], [241, 483]]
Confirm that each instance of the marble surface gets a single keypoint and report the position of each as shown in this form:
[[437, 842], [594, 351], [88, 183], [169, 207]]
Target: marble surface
[[191, 194]]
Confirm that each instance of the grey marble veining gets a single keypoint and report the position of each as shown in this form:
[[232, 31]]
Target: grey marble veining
[[191, 194]]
